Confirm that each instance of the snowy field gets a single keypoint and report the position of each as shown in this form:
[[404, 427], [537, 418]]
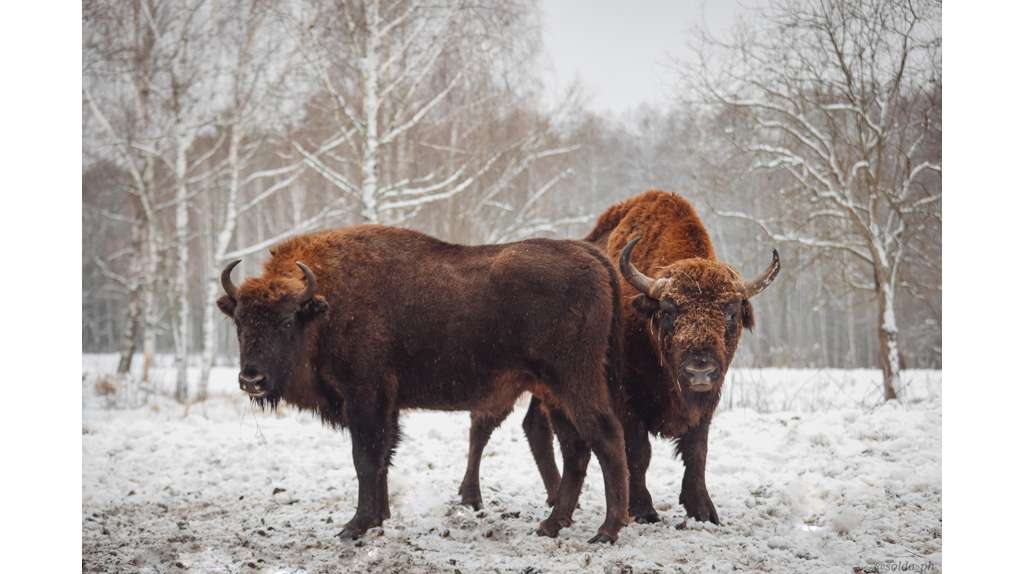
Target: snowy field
[[808, 471]]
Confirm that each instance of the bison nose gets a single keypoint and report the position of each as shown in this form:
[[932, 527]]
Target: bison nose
[[252, 385], [700, 376], [700, 371]]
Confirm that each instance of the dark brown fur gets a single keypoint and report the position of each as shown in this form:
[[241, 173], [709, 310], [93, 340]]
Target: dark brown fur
[[689, 323], [403, 320]]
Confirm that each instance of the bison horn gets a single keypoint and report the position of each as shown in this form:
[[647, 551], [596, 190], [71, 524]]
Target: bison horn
[[225, 280], [310, 283], [638, 280], [752, 287]]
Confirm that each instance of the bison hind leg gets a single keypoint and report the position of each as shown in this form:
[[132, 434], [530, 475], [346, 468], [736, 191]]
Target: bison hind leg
[[539, 436], [479, 434], [575, 459]]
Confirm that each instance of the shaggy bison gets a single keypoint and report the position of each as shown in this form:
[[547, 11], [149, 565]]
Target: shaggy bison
[[682, 313], [356, 324]]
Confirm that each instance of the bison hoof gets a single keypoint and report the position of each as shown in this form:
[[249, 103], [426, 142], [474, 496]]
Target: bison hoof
[[701, 509], [471, 497], [550, 528], [712, 518], [705, 515], [601, 538], [645, 516], [347, 534]]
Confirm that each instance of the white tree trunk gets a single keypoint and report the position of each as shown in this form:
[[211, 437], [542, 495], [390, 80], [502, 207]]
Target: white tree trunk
[[371, 106], [131, 330], [888, 338], [209, 335], [149, 279], [131, 324], [220, 248], [180, 298]]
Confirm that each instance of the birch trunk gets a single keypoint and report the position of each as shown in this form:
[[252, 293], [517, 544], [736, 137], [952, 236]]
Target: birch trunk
[[149, 292], [371, 105], [131, 326], [888, 339], [131, 329], [209, 335], [181, 331], [220, 248]]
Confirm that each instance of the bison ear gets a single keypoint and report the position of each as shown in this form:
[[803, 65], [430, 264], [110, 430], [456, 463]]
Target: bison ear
[[747, 315], [227, 305], [315, 306], [645, 305]]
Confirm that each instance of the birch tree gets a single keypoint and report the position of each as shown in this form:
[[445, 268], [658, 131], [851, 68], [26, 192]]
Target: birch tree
[[403, 78], [840, 101], [122, 60], [260, 59], [541, 162], [189, 96], [156, 52]]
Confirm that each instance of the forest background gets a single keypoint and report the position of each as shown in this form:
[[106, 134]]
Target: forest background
[[213, 129]]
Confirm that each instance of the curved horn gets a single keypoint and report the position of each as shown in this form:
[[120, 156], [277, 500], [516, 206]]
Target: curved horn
[[752, 287], [225, 280], [638, 280], [310, 283]]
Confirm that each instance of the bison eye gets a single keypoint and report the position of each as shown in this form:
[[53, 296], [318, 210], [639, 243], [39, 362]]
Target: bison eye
[[731, 311], [288, 326], [669, 313]]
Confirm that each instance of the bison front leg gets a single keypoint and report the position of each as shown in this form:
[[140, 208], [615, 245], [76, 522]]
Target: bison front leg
[[539, 436], [638, 458], [693, 448], [479, 433], [374, 436]]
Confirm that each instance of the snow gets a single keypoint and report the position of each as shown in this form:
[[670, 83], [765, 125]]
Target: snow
[[812, 483]]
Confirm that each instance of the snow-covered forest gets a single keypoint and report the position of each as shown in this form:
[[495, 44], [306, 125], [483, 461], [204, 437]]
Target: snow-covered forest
[[213, 129]]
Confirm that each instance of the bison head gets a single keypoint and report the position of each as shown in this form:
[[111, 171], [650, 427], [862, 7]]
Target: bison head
[[696, 309], [274, 317]]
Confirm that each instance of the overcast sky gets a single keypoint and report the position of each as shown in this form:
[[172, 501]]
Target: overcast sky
[[618, 48]]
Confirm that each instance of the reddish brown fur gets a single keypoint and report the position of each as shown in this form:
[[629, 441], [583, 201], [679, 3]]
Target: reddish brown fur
[[675, 246], [687, 325], [667, 216], [403, 320]]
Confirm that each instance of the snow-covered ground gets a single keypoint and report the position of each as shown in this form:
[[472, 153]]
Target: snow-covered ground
[[808, 471]]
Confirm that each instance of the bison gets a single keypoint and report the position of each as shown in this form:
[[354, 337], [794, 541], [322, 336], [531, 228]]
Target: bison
[[683, 312], [358, 323]]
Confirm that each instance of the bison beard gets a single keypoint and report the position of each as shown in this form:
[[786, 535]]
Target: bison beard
[[355, 324], [682, 325]]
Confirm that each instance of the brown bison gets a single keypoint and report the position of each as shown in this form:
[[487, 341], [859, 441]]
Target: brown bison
[[356, 324], [683, 313]]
